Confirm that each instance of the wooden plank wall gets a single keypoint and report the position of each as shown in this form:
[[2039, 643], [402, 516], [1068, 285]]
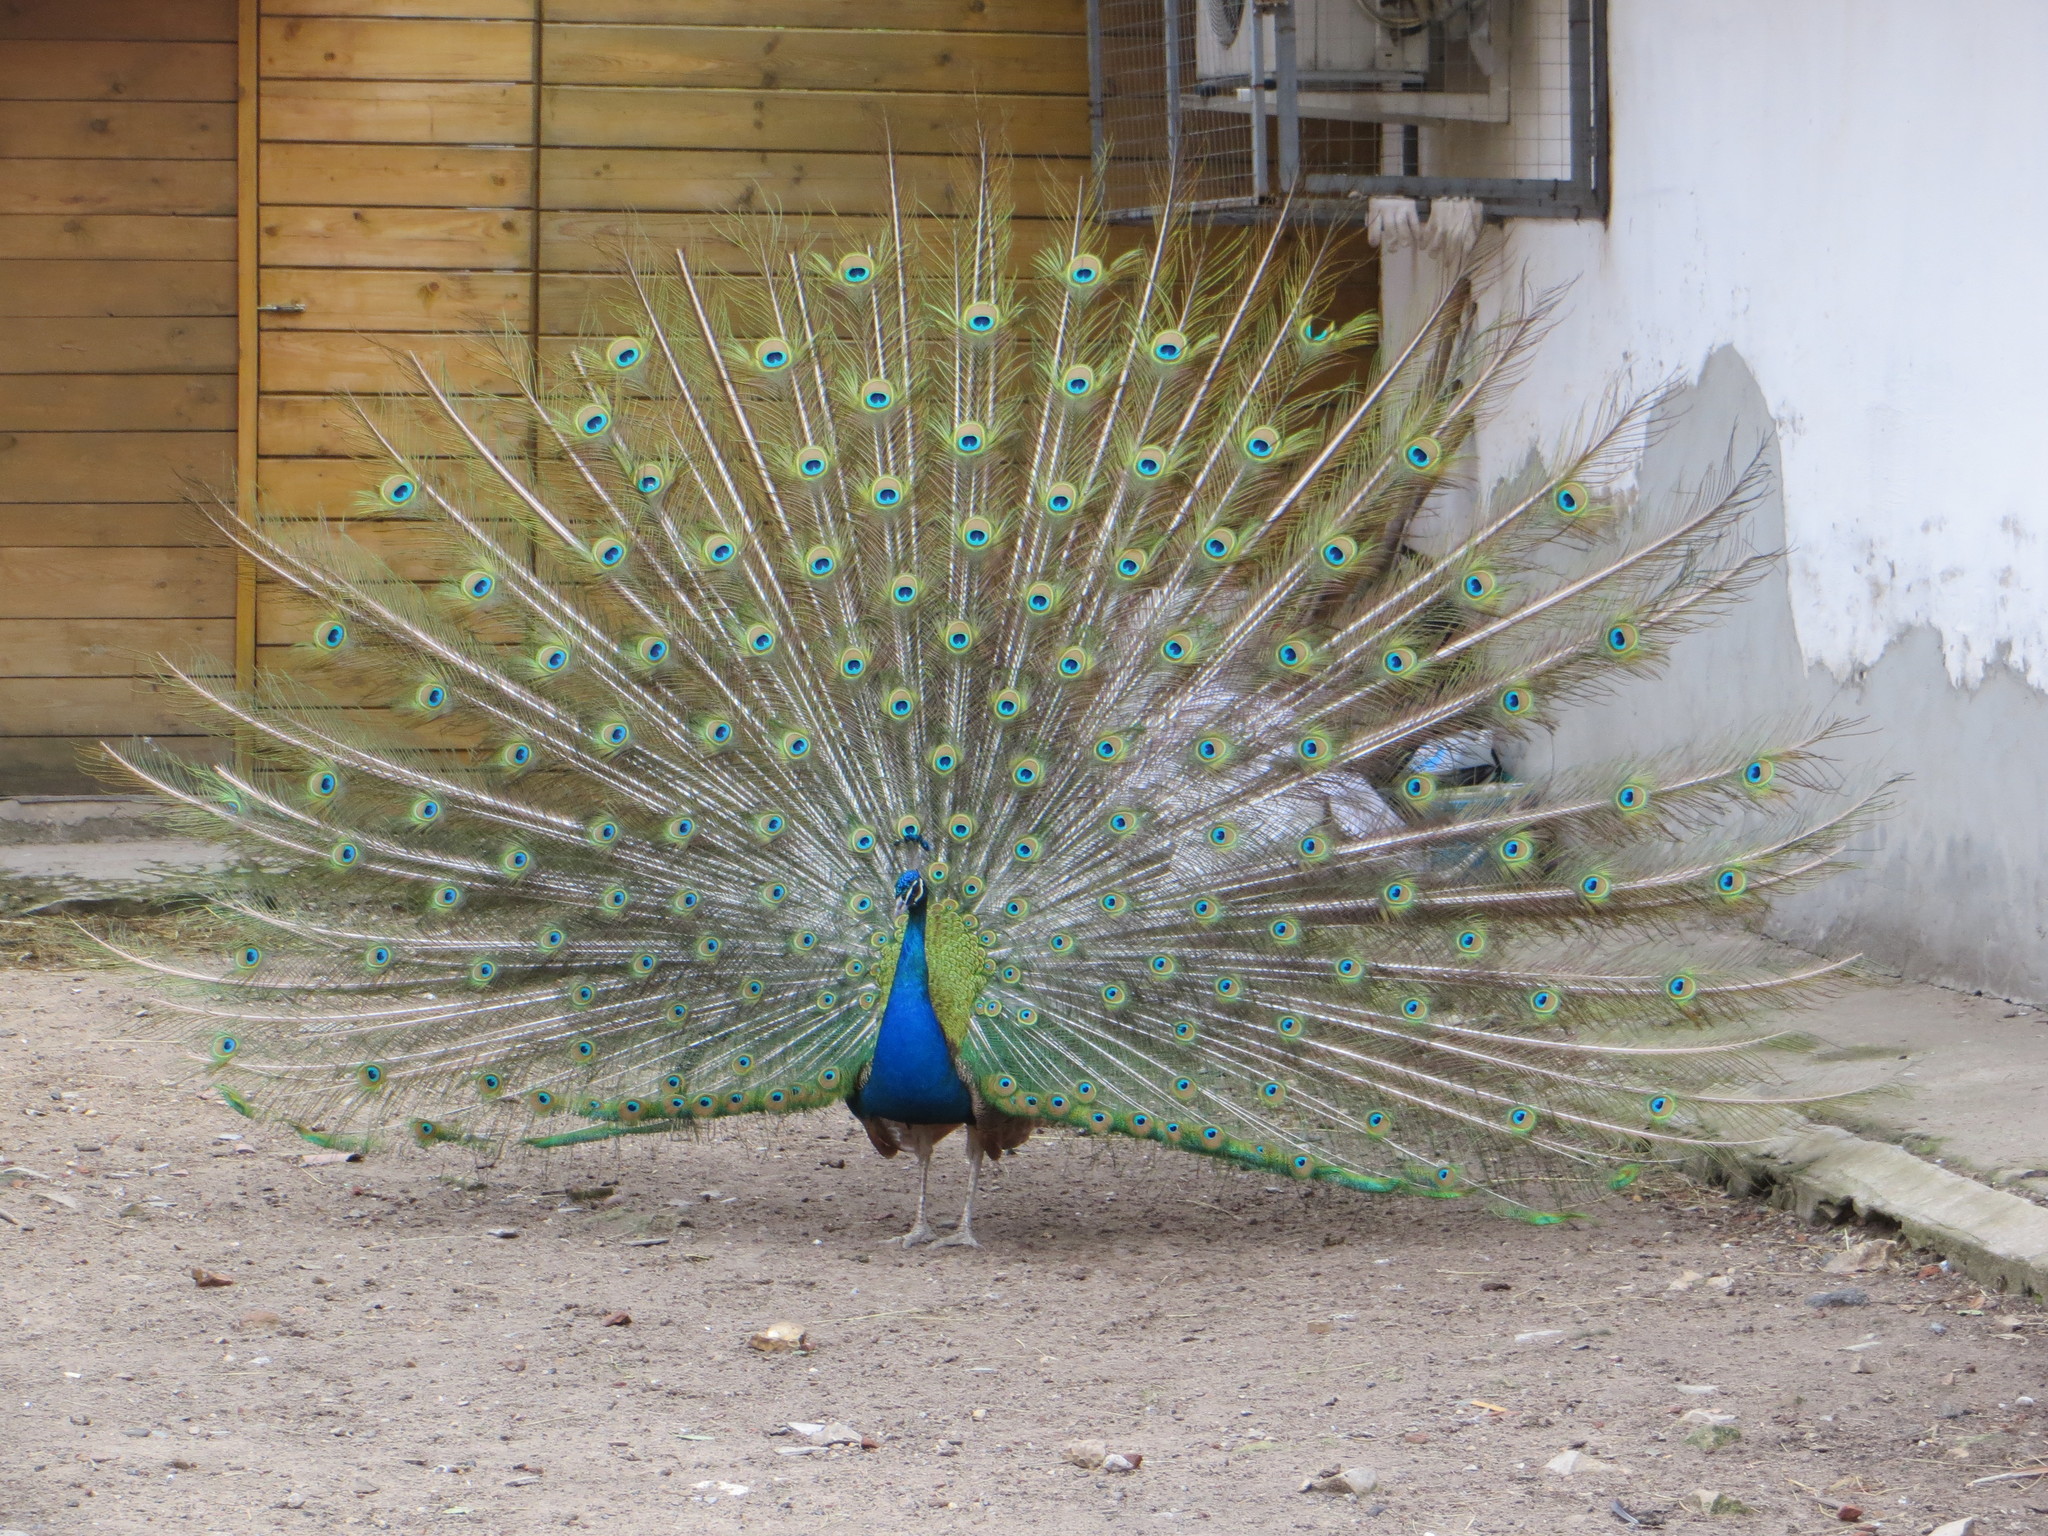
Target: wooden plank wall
[[413, 185], [117, 366]]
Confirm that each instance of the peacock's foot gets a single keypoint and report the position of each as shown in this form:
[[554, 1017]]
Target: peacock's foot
[[963, 1238], [917, 1234]]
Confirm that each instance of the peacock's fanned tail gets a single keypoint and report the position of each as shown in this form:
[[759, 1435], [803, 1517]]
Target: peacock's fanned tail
[[1122, 579]]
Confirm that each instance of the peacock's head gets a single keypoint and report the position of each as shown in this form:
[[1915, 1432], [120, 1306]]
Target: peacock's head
[[910, 888]]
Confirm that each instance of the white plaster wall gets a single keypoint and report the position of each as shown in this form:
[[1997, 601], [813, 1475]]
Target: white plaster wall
[[1853, 194], [1828, 218]]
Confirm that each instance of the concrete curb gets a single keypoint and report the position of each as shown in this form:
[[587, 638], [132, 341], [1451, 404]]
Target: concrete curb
[[1823, 1171]]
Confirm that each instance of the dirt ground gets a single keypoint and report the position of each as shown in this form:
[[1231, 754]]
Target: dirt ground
[[419, 1343]]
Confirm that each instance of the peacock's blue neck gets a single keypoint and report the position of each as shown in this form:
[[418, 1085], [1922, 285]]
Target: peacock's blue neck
[[913, 1078]]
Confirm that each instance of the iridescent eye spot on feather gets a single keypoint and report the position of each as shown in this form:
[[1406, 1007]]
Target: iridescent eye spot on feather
[[1180, 648], [447, 897], [907, 828], [957, 637], [1422, 455], [861, 840], [552, 658], [1163, 965], [1315, 330], [1759, 773], [1024, 850], [1027, 772], [803, 942], [877, 395], [607, 553], [685, 901], [515, 861], [549, 940], [1418, 788], [1681, 989], [960, 827], [1261, 443], [708, 947], [1285, 930], [602, 831], [515, 755], [770, 824], [1212, 751], [1545, 1001], [820, 561], [1121, 823], [1148, 462], [591, 420], [1621, 639], [886, 493], [1084, 271], [1289, 1025], [1060, 498], [330, 634], [625, 352], [856, 268], [1398, 662], [975, 533], [1074, 661], [1631, 797], [1027, 1015], [900, 704], [1516, 701], [1596, 887], [1313, 748], [759, 639], [1339, 551], [377, 957], [1169, 347], [1007, 703], [1077, 381], [811, 462], [1470, 941], [1348, 968], [1397, 895], [1114, 902], [1205, 909], [1378, 1123], [1016, 907], [1183, 1088], [719, 548], [478, 585], [397, 490], [1274, 1094], [1040, 597], [1228, 986], [773, 894], [1114, 996], [751, 989], [969, 438], [1731, 882], [943, 759], [482, 973], [370, 1075], [650, 650], [1223, 835], [616, 899], [425, 811], [1521, 1120], [1112, 748], [980, 319], [344, 855], [1131, 563], [715, 731], [773, 354], [1293, 654], [1660, 1106], [904, 589], [1060, 943], [1570, 499], [324, 785], [1478, 585], [248, 957], [854, 662], [1219, 544], [794, 745], [612, 735]]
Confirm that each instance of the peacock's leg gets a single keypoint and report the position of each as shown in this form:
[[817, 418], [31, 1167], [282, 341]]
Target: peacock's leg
[[921, 1143], [963, 1235]]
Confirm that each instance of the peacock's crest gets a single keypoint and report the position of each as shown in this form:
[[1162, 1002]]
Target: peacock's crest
[[1119, 575]]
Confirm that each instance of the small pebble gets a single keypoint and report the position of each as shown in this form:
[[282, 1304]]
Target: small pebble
[[1847, 1296]]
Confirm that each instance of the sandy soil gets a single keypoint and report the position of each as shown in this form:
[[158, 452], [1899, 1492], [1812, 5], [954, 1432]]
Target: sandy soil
[[383, 1360]]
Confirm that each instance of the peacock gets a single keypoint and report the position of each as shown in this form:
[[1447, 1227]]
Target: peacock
[[998, 688]]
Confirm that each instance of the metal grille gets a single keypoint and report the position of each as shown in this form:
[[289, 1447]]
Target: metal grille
[[1237, 101]]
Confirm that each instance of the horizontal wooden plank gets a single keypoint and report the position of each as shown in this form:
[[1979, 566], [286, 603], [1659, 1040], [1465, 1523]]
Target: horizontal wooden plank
[[395, 175], [118, 186], [395, 301], [129, 345], [286, 618], [395, 237], [116, 402], [752, 58], [195, 21], [1062, 16], [318, 362], [917, 122], [56, 582], [586, 241], [111, 466], [94, 706], [398, 111], [50, 765], [120, 130], [107, 647], [116, 288], [108, 525], [116, 237], [353, 48], [58, 71], [324, 426], [740, 181], [305, 487], [485, 10]]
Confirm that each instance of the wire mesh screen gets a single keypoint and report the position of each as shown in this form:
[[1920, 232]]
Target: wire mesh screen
[[1343, 100]]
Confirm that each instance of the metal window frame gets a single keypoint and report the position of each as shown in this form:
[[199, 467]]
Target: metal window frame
[[1331, 198]]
